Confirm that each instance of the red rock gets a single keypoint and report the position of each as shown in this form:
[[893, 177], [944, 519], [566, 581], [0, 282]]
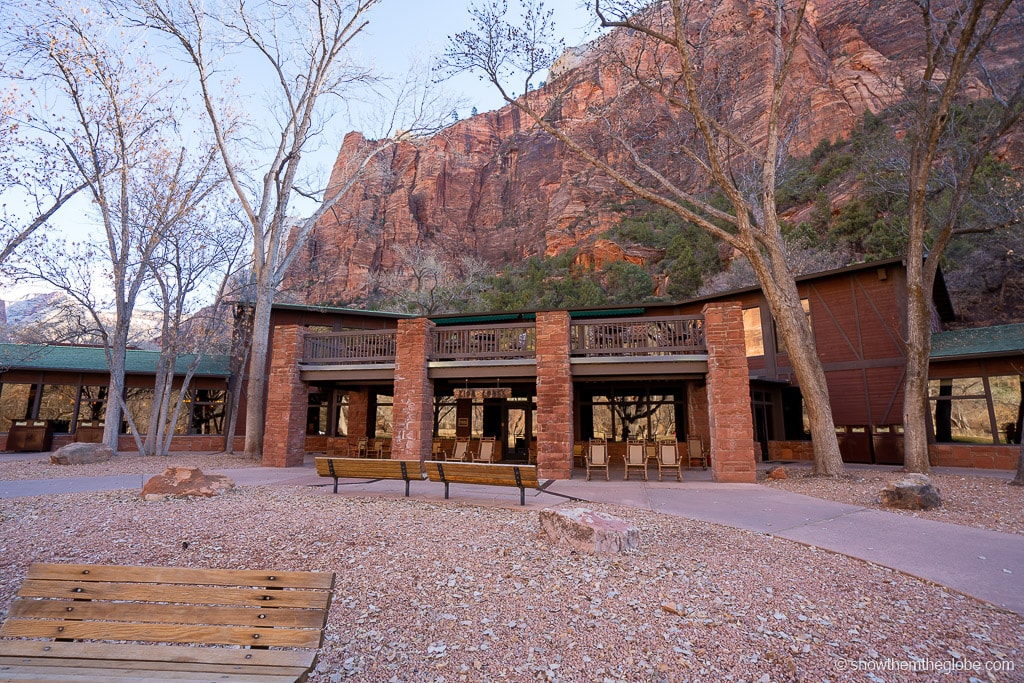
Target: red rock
[[777, 473], [588, 531], [496, 186], [183, 482]]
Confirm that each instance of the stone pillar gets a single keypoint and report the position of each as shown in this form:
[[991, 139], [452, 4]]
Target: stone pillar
[[730, 422], [554, 396], [413, 413], [358, 414], [284, 439]]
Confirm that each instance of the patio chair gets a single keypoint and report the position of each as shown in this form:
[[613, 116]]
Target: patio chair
[[461, 450], [486, 451], [695, 451], [636, 457], [668, 458], [597, 457], [362, 446]]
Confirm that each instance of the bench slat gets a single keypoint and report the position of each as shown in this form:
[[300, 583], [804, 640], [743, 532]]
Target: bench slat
[[160, 633], [174, 654], [103, 674], [182, 575], [167, 614], [200, 595], [126, 667], [521, 476]]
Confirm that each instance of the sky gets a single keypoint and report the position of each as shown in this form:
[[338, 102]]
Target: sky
[[399, 32], [400, 29]]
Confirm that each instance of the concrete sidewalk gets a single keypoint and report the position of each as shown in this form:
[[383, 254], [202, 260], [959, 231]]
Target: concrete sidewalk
[[984, 564]]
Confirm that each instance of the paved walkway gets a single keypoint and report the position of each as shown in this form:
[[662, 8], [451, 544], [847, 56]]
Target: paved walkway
[[984, 564]]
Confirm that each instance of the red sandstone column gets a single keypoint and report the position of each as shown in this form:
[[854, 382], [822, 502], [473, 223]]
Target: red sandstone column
[[284, 441], [732, 430], [413, 413], [554, 396]]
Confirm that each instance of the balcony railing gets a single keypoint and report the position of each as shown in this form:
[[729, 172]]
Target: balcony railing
[[662, 336], [485, 342], [349, 348]]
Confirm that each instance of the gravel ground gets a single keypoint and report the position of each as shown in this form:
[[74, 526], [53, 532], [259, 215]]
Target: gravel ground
[[986, 502], [455, 592], [39, 467]]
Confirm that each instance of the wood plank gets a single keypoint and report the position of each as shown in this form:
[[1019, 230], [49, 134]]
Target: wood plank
[[489, 474], [124, 667], [167, 614], [101, 674], [161, 633], [368, 468], [201, 595], [158, 653], [183, 575]]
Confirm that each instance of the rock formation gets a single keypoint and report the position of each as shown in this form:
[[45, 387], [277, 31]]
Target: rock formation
[[496, 186]]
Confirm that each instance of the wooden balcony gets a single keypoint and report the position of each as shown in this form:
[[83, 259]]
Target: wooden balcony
[[485, 342], [619, 337], [591, 340], [349, 348]]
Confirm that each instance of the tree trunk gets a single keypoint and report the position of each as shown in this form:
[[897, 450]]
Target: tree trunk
[[112, 414], [256, 399], [915, 389], [784, 302]]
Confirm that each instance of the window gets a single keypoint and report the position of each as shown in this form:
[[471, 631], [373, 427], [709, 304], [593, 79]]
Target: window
[[444, 417], [92, 404], [208, 411], [14, 404], [385, 409], [752, 332], [780, 343], [58, 405], [140, 404], [620, 418], [1008, 407], [975, 409]]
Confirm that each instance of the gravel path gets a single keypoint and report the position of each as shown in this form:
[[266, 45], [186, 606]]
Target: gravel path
[[986, 502], [39, 467], [454, 592]]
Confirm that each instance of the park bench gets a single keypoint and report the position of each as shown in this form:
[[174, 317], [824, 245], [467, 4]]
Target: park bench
[[365, 468], [493, 474], [101, 623]]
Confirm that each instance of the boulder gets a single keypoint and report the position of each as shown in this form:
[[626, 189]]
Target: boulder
[[81, 454], [777, 473], [587, 531], [913, 492], [185, 482]]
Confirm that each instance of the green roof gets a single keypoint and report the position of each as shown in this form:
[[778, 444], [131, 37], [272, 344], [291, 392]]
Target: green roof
[[999, 340], [94, 359]]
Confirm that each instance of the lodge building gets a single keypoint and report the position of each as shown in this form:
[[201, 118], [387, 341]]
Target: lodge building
[[542, 384]]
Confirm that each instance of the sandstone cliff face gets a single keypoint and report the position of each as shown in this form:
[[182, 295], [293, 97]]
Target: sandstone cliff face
[[497, 187]]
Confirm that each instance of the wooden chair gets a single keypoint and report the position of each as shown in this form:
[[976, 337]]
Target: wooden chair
[[460, 451], [636, 457], [486, 451], [362, 446], [382, 448], [695, 451], [577, 454], [597, 457], [668, 458]]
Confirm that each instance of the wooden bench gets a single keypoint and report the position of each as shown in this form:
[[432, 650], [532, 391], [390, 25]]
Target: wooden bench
[[181, 624], [364, 468], [493, 474]]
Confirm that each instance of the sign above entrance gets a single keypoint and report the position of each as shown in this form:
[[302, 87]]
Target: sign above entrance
[[487, 392]]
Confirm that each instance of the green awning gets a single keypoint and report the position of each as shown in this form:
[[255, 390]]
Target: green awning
[[999, 340]]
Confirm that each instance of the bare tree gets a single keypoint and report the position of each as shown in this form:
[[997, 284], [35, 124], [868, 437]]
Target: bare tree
[[36, 178], [302, 48], [428, 279], [944, 158], [114, 133], [693, 139], [204, 241]]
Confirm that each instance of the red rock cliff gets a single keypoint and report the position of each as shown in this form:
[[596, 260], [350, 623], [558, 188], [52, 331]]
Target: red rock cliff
[[495, 186]]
